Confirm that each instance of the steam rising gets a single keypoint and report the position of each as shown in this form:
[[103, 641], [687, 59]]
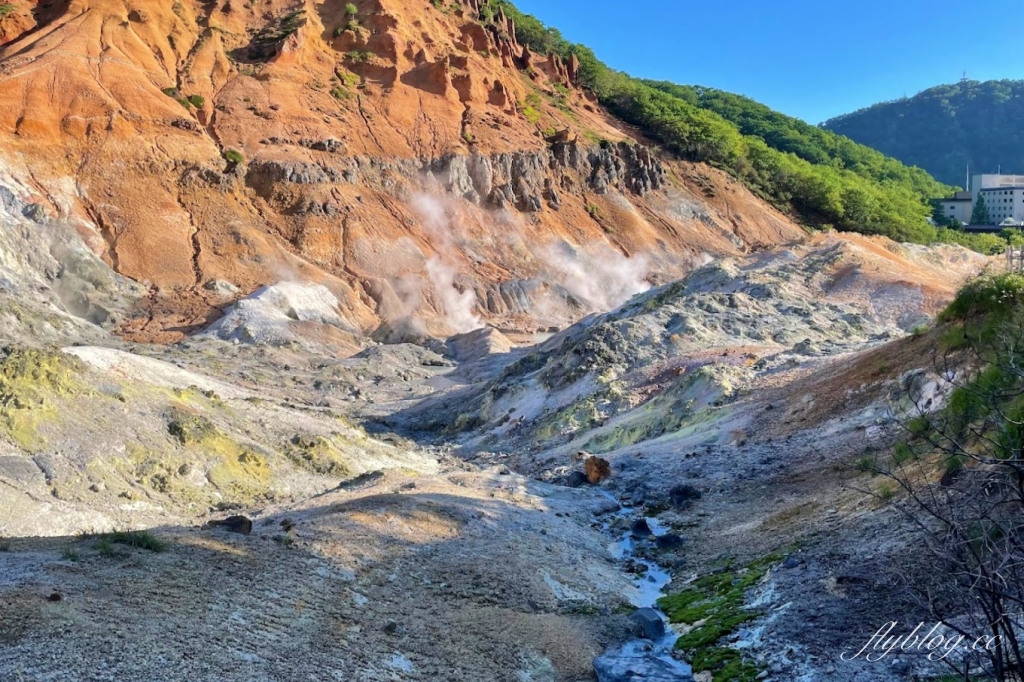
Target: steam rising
[[597, 276], [601, 277], [459, 306]]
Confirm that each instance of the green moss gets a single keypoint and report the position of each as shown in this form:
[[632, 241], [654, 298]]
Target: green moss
[[241, 472], [157, 470], [233, 156], [531, 115], [28, 376], [714, 603], [359, 57], [235, 468], [727, 665], [467, 422], [196, 100]]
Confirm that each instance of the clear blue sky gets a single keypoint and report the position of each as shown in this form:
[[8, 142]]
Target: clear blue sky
[[813, 59]]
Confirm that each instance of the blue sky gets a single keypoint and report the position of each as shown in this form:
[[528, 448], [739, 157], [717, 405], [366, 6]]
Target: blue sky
[[813, 59]]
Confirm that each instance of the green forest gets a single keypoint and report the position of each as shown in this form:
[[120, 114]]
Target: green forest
[[945, 128], [822, 178]]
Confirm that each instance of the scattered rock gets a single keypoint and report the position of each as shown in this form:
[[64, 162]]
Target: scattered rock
[[806, 347], [221, 288], [650, 621], [34, 212], [635, 567], [645, 667], [669, 541], [575, 479], [597, 469], [640, 529], [55, 596], [391, 627], [233, 524], [683, 496]]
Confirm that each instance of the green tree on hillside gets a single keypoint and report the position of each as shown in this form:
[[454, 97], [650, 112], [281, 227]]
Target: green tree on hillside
[[939, 216], [981, 216], [957, 479], [817, 176], [946, 128]]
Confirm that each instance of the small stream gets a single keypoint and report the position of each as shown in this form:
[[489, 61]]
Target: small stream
[[641, 659]]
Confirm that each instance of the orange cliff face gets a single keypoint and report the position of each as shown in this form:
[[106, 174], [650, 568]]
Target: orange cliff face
[[405, 156]]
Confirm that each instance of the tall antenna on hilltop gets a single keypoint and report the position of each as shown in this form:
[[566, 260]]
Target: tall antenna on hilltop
[[964, 78]]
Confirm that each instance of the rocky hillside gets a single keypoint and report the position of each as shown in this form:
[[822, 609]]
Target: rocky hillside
[[415, 162], [668, 364]]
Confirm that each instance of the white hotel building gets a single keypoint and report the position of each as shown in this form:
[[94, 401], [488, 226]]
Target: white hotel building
[[1004, 197]]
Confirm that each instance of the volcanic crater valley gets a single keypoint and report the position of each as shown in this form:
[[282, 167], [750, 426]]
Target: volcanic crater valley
[[358, 341]]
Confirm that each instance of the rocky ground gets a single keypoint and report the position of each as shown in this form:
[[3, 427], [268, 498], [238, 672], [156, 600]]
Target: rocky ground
[[413, 514], [417, 503], [465, 576]]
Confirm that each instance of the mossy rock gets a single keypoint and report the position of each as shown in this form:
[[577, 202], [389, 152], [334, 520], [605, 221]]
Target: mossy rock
[[317, 454], [191, 429], [245, 472], [30, 380], [28, 376]]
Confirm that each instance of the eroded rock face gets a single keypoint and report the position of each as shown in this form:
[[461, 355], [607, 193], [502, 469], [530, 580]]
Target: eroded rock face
[[254, 144]]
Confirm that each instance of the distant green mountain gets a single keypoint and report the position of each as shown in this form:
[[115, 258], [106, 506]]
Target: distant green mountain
[[821, 178], [945, 128]]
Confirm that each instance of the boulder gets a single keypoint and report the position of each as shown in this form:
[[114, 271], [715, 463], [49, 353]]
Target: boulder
[[575, 479], [650, 621], [644, 667], [233, 524], [669, 541], [641, 528], [597, 469]]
